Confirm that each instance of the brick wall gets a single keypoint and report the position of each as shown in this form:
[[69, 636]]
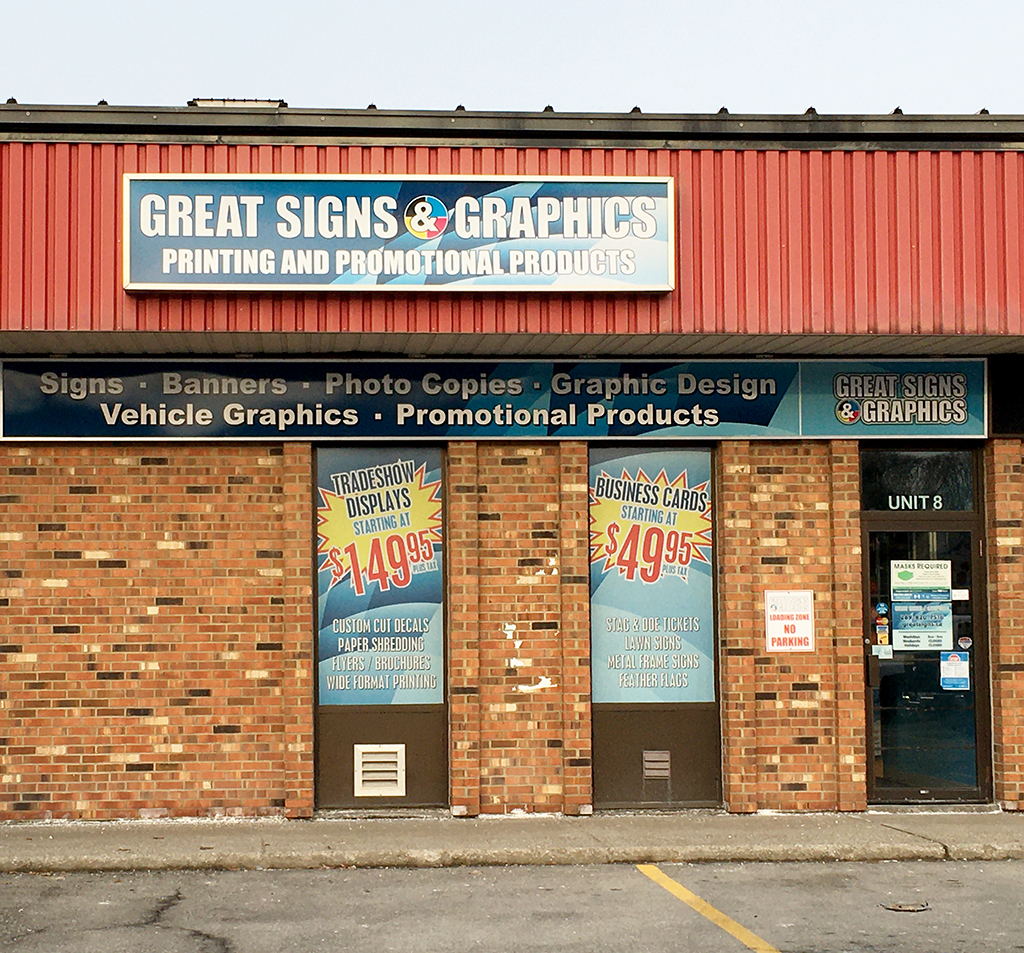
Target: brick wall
[[793, 723], [155, 620], [518, 534], [1004, 479]]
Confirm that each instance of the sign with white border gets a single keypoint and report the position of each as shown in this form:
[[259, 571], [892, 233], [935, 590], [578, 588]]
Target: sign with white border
[[955, 671], [261, 232], [789, 620]]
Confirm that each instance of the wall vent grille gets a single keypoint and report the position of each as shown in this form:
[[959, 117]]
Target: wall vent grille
[[379, 770], [657, 765]]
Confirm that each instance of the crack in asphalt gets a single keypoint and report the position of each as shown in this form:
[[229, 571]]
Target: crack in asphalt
[[18, 937], [208, 942], [159, 909], [153, 918]]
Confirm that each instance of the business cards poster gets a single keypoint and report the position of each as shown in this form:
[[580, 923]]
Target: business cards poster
[[437, 400], [360, 233], [379, 576], [651, 596]]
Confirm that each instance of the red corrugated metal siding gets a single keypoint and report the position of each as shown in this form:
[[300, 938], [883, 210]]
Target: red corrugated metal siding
[[769, 242]]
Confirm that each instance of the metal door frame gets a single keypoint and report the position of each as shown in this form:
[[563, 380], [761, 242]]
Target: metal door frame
[[642, 722], [422, 723], [972, 522]]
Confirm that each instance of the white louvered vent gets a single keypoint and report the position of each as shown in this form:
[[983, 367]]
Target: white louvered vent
[[380, 770]]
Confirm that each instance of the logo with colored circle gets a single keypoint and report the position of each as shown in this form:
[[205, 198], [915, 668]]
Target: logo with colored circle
[[848, 411], [426, 217]]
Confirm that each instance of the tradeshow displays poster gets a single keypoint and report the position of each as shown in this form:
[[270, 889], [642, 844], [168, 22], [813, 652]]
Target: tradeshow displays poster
[[398, 233], [651, 596], [379, 576]]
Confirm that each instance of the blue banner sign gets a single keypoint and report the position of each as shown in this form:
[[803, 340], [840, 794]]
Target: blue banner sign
[[652, 624], [361, 233], [420, 400], [379, 577]]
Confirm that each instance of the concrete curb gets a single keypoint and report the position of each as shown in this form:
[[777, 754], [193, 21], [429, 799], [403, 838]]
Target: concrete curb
[[456, 858], [430, 842]]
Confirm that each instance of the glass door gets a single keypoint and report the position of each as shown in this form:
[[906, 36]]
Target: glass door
[[925, 639], [924, 669]]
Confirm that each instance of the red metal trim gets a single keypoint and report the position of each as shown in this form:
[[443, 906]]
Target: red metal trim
[[768, 242]]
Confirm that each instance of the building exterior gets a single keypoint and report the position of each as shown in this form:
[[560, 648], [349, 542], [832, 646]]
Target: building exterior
[[508, 462]]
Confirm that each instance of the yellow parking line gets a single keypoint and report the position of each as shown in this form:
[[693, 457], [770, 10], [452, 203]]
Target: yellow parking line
[[719, 919]]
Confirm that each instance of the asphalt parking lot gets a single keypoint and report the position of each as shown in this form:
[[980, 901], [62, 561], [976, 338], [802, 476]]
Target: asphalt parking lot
[[906, 906]]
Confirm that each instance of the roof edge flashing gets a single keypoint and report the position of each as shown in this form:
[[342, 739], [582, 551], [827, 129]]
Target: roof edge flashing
[[276, 120]]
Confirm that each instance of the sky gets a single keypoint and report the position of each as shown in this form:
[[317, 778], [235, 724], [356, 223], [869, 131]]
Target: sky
[[751, 56]]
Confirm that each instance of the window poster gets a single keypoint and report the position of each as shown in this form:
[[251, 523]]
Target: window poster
[[955, 671], [651, 587], [379, 576], [922, 606], [922, 626], [921, 580]]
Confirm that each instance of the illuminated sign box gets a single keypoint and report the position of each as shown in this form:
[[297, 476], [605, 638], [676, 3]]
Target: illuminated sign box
[[393, 233]]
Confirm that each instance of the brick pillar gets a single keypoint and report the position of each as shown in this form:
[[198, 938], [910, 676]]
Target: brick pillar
[[462, 495], [738, 620], [574, 519], [518, 532], [520, 765], [792, 729], [1004, 464], [298, 629], [848, 622]]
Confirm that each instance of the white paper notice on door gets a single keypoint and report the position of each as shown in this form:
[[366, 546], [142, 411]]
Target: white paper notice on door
[[921, 580]]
